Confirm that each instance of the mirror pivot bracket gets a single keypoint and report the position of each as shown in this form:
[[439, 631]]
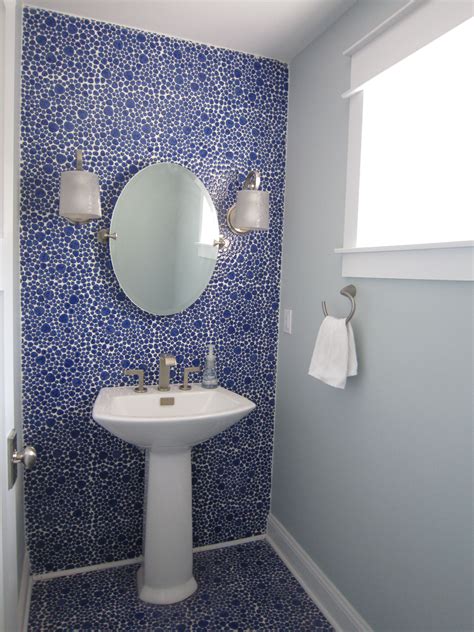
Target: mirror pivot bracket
[[103, 235]]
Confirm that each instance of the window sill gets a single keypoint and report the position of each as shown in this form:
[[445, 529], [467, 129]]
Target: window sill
[[450, 261]]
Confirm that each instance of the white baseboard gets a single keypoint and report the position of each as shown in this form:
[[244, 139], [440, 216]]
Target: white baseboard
[[24, 595], [332, 603], [223, 545], [86, 569]]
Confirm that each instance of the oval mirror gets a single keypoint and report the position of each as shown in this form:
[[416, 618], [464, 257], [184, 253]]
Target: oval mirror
[[166, 224]]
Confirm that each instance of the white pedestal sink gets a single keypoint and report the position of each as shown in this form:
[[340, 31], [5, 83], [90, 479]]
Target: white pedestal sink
[[167, 424]]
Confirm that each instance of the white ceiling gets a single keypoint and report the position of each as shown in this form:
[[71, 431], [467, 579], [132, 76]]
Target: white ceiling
[[279, 29]]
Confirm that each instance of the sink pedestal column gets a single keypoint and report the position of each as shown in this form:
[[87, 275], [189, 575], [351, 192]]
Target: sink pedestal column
[[166, 575]]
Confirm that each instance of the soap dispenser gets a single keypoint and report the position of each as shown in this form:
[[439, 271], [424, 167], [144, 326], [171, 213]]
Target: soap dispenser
[[209, 375]]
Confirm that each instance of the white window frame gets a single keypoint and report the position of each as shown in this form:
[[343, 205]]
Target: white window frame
[[441, 261]]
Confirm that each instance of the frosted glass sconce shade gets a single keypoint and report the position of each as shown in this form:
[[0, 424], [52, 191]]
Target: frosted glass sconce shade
[[79, 197], [250, 212]]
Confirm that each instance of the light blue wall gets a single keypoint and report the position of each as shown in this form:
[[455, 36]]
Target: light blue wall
[[375, 482]]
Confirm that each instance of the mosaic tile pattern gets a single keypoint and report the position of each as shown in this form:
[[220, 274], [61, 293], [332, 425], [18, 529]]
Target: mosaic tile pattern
[[242, 588], [131, 98]]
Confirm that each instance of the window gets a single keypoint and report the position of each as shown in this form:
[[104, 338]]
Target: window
[[410, 188], [416, 173]]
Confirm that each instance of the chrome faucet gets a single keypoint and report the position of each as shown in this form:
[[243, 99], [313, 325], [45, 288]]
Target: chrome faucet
[[166, 361]]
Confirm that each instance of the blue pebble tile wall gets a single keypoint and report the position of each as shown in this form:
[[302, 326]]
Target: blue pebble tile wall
[[130, 98]]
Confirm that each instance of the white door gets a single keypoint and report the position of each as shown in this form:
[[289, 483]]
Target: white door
[[11, 500]]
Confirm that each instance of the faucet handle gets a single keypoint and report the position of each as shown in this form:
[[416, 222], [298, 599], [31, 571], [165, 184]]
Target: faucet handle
[[167, 359], [185, 386], [141, 388]]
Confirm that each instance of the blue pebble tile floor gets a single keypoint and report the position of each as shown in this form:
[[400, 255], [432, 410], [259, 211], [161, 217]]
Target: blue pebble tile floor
[[243, 588]]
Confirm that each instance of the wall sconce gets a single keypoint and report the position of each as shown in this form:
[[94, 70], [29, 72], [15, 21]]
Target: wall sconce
[[79, 195], [250, 212]]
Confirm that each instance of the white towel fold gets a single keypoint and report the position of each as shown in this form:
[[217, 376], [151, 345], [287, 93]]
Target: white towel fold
[[334, 356]]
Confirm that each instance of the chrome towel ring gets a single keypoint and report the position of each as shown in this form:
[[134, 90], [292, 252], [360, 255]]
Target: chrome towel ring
[[349, 291]]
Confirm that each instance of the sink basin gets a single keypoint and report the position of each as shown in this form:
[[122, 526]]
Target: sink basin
[[167, 424], [148, 421]]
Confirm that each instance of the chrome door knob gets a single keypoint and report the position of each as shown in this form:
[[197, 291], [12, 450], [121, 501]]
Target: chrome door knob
[[27, 456]]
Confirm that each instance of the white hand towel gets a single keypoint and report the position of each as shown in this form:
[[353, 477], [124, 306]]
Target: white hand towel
[[334, 356]]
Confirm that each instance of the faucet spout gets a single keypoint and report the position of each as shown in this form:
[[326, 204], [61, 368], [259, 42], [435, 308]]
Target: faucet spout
[[166, 361]]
